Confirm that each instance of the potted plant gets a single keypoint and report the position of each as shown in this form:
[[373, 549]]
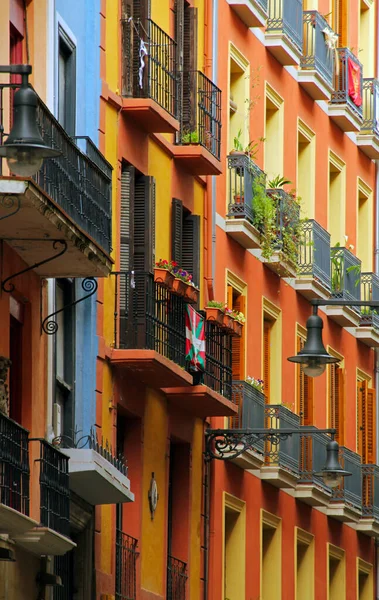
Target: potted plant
[[238, 322], [182, 281], [163, 272], [192, 294], [257, 384], [215, 311], [227, 320], [190, 137]]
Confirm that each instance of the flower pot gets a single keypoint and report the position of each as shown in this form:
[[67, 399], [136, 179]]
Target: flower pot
[[239, 199], [192, 294], [214, 314], [179, 287], [227, 322], [237, 327], [164, 277]]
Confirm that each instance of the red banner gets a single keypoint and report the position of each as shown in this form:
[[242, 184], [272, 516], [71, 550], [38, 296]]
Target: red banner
[[354, 82]]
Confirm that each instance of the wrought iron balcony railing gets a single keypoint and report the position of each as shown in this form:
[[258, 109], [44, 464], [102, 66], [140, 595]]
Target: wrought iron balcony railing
[[286, 17], [341, 94], [369, 291], [74, 180], [345, 274], [251, 409], [350, 491], [370, 124], [316, 55], [312, 458], [150, 316], [285, 454], [154, 75], [54, 488], [370, 492], [314, 252], [286, 227], [176, 579], [200, 115], [14, 465], [263, 4], [242, 173], [126, 565]]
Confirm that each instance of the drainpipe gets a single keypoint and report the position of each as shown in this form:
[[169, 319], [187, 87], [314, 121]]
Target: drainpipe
[[214, 79]]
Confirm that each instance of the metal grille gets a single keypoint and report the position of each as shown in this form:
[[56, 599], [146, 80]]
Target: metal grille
[[54, 488], [369, 291], [251, 411], [350, 490], [286, 16], [14, 465], [88, 148], [340, 95], [345, 275], [201, 120], [312, 460], [63, 568], [72, 180], [126, 559], [316, 56], [285, 453], [242, 172], [370, 123], [157, 79], [314, 252], [263, 4], [218, 360], [176, 579]]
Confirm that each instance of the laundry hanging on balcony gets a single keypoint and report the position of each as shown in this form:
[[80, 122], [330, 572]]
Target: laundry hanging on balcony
[[195, 339], [331, 40], [142, 53], [354, 82]]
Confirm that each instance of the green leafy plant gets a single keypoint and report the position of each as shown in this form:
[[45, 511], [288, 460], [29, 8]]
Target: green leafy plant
[[278, 182], [238, 316], [216, 304], [257, 384], [190, 137]]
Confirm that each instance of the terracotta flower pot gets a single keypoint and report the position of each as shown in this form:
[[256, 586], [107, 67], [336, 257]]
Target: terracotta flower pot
[[179, 287], [214, 314], [228, 322], [192, 294], [237, 327], [164, 277]]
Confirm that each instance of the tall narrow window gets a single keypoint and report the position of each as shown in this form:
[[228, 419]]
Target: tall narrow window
[[274, 133], [336, 573], [271, 556], [234, 547], [16, 368], [186, 40], [337, 191], [366, 33], [306, 170], [272, 352], [63, 409], [364, 227], [304, 391], [66, 82], [185, 239], [237, 302], [267, 357], [305, 564], [336, 385], [340, 11], [365, 578], [239, 85], [366, 423]]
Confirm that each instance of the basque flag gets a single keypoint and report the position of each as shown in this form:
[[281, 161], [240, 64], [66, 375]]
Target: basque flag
[[195, 339]]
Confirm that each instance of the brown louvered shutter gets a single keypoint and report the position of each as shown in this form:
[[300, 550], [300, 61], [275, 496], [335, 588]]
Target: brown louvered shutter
[[361, 420], [371, 428], [144, 224], [189, 88], [127, 42], [126, 224], [339, 405], [332, 395], [340, 21], [177, 230], [239, 304], [300, 382], [191, 247], [266, 359]]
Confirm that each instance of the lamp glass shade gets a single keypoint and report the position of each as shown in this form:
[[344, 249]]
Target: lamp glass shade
[[332, 474]]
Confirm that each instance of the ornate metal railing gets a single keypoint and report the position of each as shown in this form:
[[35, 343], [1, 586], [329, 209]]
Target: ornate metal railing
[[251, 409], [151, 74], [86, 145], [345, 274], [176, 579], [242, 173], [149, 316], [314, 252], [286, 16], [200, 119], [287, 222], [54, 488], [263, 4], [312, 458], [369, 291], [370, 491], [316, 55], [286, 453], [341, 94], [370, 124], [350, 491], [74, 181], [14, 465], [126, 565]]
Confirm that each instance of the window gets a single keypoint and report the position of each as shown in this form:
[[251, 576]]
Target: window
[[234, 547], [364, 226], [306, 169], [239, 96], [365, 580], [366, 422], [16, 355], [304, 389], [186, 40], [271, 556], [337, 191], [365, 51], [274, 133], [271, 352], [336, 573], [304, 564], [236, 300], [340, 11], [185, 239], [336, 408], [66, 82]]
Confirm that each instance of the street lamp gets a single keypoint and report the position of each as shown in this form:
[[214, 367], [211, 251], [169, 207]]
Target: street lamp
[[332, 474], [24, 148]]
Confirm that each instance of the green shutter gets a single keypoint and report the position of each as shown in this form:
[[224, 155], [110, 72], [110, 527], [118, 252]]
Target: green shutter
[[176, 230], [144, 224], [191, 247]]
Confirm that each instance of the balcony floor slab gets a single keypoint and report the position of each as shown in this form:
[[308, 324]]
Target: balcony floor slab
[[368, 336], [367, 526], [39, 219], [279, 477], [201, 401], [249, 11], [149, 115], [342, 512], [310, 288], [369, 144], [44, 541], [13, 522], [344, 117], [311, 494], [243, 232], [344, 316], [285, 52], [314, 84], [279, 265], [196, 159], [150, 367], [249, 461]]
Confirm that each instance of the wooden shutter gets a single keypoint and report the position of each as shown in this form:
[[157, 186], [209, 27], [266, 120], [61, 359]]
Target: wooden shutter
[[126, 224], [337, 402], [127, 38], [340, 21], [361, 410], [177, 230], [371, 428], [266, 359], [191, 247], [144, 224]]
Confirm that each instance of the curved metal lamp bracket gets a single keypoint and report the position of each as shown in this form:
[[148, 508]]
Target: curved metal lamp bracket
[[49, 325], [8, 202], [10, 288]]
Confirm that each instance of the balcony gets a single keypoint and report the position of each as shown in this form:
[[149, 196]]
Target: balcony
[[176, 579], [14, 478], [252, 12], [368, 137], [345, 284], [126, 566], [313, 275], [369, 522], [284, 31], [251, 414], [239, 223], [96, 475], [346, 501], [368, 331], [52, 535], [311, 489], [280, 233], [149, 84], [199, 141], [317, 62], [281, 467], [345, 107], [64, 211], [150, 339]]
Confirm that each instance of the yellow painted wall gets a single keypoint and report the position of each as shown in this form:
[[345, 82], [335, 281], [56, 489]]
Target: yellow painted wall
[[195, 525], [160, 167]]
